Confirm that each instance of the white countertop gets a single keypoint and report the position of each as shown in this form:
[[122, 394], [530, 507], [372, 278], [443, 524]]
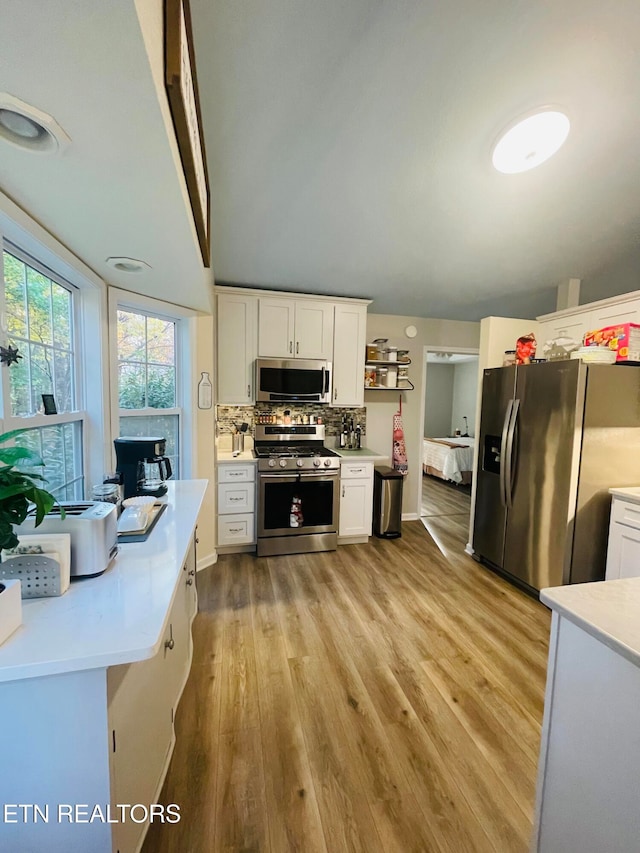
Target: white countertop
[[118, 617], [362, 455], [631, 494], [608, 610], [227, 456]]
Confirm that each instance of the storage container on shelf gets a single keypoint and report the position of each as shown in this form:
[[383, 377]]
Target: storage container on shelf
[[392, 377], [390, 354]]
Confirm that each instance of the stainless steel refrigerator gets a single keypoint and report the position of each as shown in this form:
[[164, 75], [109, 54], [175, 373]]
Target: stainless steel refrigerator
[[554, 438]]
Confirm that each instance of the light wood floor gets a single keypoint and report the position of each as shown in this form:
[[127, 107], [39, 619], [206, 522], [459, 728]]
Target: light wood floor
[[384, 697], [440, 498]]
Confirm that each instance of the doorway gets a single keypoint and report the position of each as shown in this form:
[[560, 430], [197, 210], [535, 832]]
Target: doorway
[[448, 445]]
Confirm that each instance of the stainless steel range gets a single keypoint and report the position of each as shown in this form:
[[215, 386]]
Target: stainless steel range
[[298, 490]]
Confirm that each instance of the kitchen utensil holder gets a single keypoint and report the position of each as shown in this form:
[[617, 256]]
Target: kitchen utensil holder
[[238, 442], [40, 576]]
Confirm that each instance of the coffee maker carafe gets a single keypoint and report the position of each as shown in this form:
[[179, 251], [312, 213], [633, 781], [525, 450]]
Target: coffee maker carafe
[[141, 462]]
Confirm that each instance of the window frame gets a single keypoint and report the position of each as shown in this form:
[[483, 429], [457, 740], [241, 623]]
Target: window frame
[[184, 318], [30, 242]]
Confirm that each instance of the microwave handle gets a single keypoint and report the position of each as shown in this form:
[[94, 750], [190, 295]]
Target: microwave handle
[[325, 373]]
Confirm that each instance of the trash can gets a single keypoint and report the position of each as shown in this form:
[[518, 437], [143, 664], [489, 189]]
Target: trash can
[[387, 503]]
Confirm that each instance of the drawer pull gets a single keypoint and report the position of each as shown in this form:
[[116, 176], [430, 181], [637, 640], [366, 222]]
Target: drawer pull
[[170, 643], [236, 530], [235, 500], [189, 582]]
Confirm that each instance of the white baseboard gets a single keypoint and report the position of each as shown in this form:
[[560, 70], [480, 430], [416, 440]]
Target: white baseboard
[[469, 549], [410, 516], [352, 540], [205, 562]]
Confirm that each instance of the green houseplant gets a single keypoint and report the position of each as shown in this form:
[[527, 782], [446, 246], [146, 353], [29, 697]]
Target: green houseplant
[[19, 488]]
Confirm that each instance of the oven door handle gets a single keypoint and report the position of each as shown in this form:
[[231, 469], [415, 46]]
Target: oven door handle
[[294, 478]]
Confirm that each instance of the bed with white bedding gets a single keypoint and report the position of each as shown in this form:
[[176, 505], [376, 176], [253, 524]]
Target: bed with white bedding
[[448, 458]]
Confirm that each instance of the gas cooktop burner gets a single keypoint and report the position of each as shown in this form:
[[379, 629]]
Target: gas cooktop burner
[[283, 448], [280, 452]]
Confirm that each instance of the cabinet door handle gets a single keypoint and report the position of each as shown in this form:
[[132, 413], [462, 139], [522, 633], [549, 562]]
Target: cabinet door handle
[[343, 491], [249, 391], [189, 582], [297, 347], [170, 643], [335, 393], [290, 347]]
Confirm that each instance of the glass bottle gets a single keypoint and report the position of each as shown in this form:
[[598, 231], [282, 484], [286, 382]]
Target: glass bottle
[[205, 391]]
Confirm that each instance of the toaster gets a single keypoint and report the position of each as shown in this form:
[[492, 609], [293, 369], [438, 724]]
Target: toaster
[[92, 526]]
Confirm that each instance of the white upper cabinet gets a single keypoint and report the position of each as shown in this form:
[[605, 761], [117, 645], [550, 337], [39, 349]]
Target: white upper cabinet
[[612, 315], [574, 323], [291, 328], [276, 328], [349, 344], [314, 330], [573, 326], [237, 348]]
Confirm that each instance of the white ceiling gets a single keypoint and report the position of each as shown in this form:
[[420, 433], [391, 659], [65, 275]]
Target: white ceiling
[[116, 190], [449, 358], [349, 147]]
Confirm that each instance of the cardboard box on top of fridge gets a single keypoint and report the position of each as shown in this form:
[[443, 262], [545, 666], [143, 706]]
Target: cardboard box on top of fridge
[[624, 338]]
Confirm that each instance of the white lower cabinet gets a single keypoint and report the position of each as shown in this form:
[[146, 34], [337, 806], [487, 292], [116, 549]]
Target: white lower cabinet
[[236, 505], [142, 701], [623, 551], [356, 501], [98, 737]]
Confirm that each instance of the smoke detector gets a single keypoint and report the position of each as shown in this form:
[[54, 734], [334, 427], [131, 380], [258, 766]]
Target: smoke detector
[[29, 128]]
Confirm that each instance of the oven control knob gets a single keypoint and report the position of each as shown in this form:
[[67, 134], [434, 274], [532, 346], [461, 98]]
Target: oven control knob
[[283, 463], [327, 463], [272, 463], [316, 462], [299, 462]]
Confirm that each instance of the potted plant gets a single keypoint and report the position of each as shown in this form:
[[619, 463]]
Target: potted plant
[[19, 489]]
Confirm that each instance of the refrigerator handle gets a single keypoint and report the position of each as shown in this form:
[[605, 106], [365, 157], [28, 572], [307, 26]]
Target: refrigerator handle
[[503, 453], [509, 461]]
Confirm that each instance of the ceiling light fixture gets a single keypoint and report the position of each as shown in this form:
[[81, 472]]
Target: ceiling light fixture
[[531, 140], [29, 128], [128, 265]]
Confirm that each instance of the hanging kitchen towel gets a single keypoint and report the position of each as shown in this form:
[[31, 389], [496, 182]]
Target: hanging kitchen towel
[[399, 449]]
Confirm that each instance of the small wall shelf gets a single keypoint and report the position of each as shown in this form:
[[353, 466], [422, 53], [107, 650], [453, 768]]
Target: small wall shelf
[[408, 387], [400, 363], [402, 384]]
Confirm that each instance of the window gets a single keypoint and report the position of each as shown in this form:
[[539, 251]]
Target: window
[[40, 313], [148, 387]]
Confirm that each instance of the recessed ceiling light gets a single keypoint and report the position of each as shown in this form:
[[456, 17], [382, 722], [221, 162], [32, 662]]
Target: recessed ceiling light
[[128, 265], [531, 140], [29, 128]]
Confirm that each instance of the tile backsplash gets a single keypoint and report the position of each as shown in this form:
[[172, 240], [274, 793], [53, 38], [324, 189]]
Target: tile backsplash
[[229, 416]]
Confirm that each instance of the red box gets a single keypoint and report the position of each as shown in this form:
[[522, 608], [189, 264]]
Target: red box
[[623, 338]]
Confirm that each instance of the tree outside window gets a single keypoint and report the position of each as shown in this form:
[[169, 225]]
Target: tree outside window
[[147, 378], [39, 318]]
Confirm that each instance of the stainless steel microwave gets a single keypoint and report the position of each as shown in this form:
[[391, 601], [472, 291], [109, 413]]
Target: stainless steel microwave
[[293, 380]]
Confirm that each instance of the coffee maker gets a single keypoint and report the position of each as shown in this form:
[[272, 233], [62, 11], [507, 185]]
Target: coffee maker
[[135, 455]]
